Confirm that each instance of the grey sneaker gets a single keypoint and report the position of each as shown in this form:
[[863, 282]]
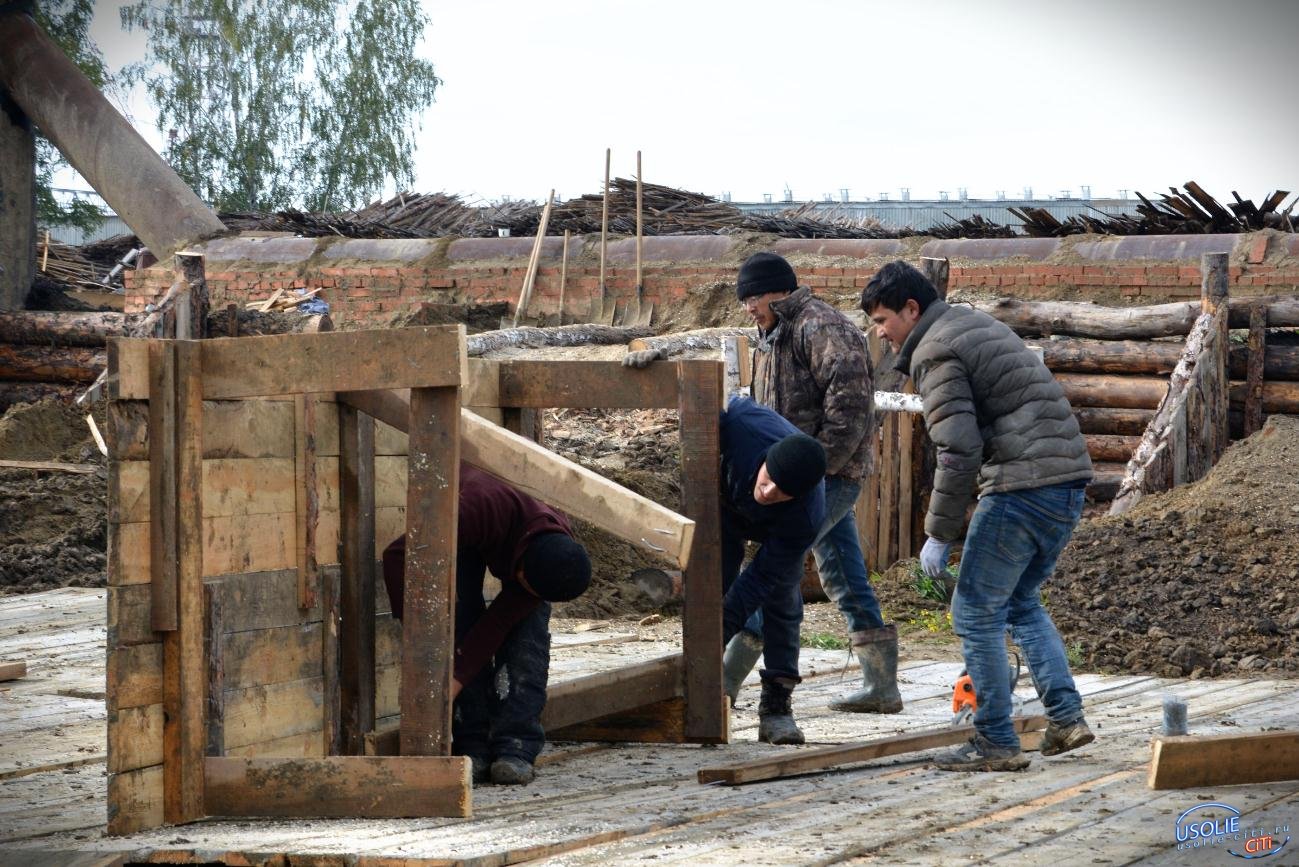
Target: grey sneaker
[[510, 771], [979, 754], [1061, 739]]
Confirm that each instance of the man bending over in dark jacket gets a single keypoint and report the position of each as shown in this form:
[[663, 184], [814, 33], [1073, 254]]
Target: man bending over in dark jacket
[[503, 650], [771, 493], [999, 419]]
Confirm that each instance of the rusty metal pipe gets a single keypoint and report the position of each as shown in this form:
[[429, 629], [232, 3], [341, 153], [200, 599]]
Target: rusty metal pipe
[[99, 142]]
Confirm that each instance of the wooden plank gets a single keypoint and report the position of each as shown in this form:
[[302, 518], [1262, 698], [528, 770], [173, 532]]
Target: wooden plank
[[888, 475], [906, 507], [420, 356], [273, 711], [369, 787], [663, 722], [700, 386], [552, 479], [162, 485], [264, 600], [789, 764], [51, 466], [249, 428], [12, 670], [1254, 369], [135, 738], [428, 624], [1199, 761], [184, 669], [307, 500], [611, 692], [587, 384], [868, 507], [214, 628], [134, 676], [262, 656], [357, 495], [231, 487], [135, 801], [328, 651]]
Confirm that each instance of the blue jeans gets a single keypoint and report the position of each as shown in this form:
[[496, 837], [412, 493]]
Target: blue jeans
[[839, 561], [498, 713], [1011, 548]]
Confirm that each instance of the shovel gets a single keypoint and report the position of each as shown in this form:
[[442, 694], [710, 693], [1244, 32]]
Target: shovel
[[638, 311]]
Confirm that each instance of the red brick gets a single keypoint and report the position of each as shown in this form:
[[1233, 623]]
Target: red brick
[[1257, 249]]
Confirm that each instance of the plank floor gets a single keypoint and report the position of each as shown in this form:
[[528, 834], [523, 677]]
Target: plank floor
[[629, 804]]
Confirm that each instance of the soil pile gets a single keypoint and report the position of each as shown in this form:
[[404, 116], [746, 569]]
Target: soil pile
[[1202, 580], [52, 524]]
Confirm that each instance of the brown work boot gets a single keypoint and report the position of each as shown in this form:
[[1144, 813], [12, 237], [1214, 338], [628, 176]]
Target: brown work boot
[[1061, 739]]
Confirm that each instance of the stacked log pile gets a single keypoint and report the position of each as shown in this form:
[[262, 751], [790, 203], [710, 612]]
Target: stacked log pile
[[46, 354], [1193, 211]]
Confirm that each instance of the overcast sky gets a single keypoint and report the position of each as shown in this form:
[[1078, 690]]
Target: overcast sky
[[751, 97]]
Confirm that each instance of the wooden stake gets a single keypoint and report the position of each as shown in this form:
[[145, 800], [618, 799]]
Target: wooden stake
[[563, 277], [604, 228], [45, 257], [525, 296], [640, 282]]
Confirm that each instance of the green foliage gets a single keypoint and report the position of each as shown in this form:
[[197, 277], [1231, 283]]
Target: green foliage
[[67, 22], [935, 589], [271, 104], [1073, 654], [823, 641]]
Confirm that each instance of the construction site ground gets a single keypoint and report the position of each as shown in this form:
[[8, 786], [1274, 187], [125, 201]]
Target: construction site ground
[[603, 804]]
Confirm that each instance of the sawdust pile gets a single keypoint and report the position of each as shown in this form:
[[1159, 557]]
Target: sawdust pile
[[53, 530], [1202, 580]]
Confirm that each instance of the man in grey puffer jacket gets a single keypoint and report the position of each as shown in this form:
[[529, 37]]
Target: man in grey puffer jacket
[[999, 418]]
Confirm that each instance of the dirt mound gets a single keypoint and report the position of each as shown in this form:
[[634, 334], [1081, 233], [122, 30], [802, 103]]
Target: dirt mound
[[52, 524], [1202, 580], [43, 431]]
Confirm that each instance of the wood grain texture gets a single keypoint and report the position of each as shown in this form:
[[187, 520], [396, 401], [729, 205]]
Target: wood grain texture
[[357, 497], [1196, 761]]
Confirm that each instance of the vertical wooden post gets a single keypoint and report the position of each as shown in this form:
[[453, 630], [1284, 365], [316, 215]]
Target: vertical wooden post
[[937, 270], [307, 498], [17, 204], [356, 483], [190, 268], [331, 698], [1214, 289], [1254, 368], [162, 486], [563, 277], [905, 508], [214, 652], [232, 320], [428, 624], [699, 403], [888, 476], [184, 669]]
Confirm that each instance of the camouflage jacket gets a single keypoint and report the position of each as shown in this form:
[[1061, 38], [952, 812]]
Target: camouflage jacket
[[813, 368]]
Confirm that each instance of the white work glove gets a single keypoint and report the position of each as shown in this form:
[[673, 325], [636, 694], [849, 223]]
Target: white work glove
[[933, 558], [641, 359]]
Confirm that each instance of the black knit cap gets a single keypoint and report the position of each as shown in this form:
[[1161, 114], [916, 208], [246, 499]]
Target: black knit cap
[[796, 464], [556, 567], [765, 272]]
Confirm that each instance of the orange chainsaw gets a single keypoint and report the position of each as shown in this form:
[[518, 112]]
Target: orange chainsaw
[[965, 702]]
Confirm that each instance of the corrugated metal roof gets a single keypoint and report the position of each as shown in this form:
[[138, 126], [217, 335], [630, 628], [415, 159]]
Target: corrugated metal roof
[[112, 225]]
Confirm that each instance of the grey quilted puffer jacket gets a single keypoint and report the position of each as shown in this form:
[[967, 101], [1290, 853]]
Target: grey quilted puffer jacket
[[993, 410]]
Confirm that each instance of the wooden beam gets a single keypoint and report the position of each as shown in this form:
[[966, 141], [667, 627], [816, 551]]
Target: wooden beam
[[356, 638], [789, 764], [1198, 761], [162, 485], [1254, 369], [12, 670], [214, 655], [340, 787], [554, 480], [51, 467], [610, 692], [428, 625], [587, 384], [306, 498], [184, 666], [328, 648], [700, 387]]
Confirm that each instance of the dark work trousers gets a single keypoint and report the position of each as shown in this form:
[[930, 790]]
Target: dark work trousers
[[498, 713], [777, 593]]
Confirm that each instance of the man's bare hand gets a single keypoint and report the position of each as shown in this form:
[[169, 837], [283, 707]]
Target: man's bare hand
[[641, 358]]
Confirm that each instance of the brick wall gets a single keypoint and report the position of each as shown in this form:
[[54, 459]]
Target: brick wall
[[366, 282]]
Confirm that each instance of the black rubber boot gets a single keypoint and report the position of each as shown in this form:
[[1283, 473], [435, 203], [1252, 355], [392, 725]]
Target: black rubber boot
[[742, 653], [877, 651], [775, 713]]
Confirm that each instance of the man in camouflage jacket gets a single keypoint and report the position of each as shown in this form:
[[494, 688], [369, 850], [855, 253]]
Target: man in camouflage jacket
[[811, 366]]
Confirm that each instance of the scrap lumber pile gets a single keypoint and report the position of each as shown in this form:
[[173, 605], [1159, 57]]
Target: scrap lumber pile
[[970, 227], [425, 215], [67, 264], [667, 211], [807, 221], [1192, 212]]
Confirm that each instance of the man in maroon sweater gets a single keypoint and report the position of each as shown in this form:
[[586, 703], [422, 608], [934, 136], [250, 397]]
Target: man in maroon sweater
[[503, 650]]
